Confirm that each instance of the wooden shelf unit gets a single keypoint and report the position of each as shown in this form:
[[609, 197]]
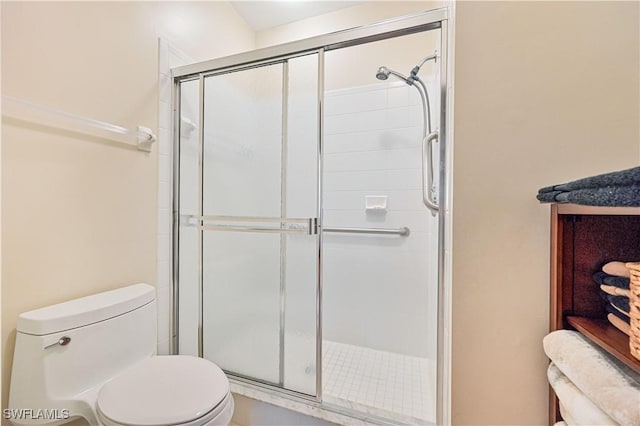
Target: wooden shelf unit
[[583, 239]]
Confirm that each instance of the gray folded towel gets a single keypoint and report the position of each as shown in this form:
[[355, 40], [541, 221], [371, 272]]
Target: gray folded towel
[[602, 278], [612, 196], [627, 177], [615, 189], [620, 303], [612, 310], [548, 197]]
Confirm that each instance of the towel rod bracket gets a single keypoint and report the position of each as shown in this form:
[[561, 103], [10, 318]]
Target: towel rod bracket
[[146, 138]]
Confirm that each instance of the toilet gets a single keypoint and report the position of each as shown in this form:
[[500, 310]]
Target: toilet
[[95, 358]]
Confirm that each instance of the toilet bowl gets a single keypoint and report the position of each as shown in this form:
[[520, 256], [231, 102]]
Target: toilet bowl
[[172, 390], [95, 358]]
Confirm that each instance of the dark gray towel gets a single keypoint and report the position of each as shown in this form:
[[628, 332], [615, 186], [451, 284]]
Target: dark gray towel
[[628, 177], [617, 313], [619, 302], [602, 278], [620, 282], [622, 196], [548, 197]]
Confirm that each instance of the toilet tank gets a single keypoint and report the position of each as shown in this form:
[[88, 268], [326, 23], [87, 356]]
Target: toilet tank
[[105, 333]]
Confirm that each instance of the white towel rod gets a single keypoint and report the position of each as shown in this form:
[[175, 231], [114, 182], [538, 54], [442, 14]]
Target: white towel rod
[[145, 138]]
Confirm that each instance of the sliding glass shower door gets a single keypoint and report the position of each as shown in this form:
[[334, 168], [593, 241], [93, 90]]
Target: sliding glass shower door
[[310, 209], [258, 222]]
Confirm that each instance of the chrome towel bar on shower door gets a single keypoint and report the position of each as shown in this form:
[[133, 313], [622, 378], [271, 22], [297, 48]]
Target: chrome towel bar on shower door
[[404, 232], [284, 225], [287, 225], [291, 230]]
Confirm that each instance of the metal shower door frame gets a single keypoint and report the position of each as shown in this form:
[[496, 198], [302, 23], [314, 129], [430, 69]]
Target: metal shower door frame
[[310, 226], [415, 23]]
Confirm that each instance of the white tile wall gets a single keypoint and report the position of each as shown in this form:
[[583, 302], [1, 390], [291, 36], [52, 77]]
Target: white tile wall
[[372, 180], [357, 100], [168, 57], [391, 159], [379, 291], [402, 199], [370, 140], [188, 268]]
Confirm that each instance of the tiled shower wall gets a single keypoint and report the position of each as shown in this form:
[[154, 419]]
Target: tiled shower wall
[[379, 291], [168, 57]]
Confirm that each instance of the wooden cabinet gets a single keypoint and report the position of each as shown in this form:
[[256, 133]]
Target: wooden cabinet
[[584, 238]]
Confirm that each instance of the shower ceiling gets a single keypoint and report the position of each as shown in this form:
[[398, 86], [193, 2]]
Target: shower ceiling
[[261, 15]]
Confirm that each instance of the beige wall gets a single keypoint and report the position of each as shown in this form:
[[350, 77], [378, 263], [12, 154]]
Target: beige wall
[[79, 214], [544, 93]]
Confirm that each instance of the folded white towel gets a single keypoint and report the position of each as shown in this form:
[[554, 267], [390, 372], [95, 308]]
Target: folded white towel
[[560, 423], [576, 408], [610, 385], [567, 415]]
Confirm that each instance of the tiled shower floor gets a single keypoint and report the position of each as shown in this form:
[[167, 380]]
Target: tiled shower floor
[[381, 383]]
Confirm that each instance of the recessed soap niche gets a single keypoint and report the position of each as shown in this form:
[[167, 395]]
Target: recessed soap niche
[[375, 204]]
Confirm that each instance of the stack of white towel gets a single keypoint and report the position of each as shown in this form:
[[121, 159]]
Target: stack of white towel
[[593, 388]]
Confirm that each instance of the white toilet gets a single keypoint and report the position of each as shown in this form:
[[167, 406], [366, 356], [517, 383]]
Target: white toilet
[[95, 358]]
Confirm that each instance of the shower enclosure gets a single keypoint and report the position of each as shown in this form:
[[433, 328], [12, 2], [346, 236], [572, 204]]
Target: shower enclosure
[[308, 217]]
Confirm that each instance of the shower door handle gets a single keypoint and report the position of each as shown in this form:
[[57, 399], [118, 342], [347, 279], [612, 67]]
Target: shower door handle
[[427, 172], [304, 226]]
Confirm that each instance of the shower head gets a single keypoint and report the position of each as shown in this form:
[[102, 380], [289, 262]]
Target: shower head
[[414, 71], [383, 74]]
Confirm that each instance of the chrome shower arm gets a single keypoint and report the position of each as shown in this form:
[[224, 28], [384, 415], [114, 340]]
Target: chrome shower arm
[[414, 71]]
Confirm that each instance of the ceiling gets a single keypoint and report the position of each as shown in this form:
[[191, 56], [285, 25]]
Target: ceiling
[[261, 15]]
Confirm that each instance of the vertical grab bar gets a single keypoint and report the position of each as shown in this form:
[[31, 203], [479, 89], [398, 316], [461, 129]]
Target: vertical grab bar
[[427, 175]]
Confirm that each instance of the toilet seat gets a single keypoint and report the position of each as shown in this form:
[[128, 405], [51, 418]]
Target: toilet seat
[[165, 390], [219, 416]]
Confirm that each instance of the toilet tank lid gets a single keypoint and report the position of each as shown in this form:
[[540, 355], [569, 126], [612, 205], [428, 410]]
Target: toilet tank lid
[[85, 310]]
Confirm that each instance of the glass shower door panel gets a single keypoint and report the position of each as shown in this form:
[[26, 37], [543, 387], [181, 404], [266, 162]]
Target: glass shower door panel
[[380, 291], [241, 178], [242, 303], [300, 261], [259, 244], [243, 143]]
